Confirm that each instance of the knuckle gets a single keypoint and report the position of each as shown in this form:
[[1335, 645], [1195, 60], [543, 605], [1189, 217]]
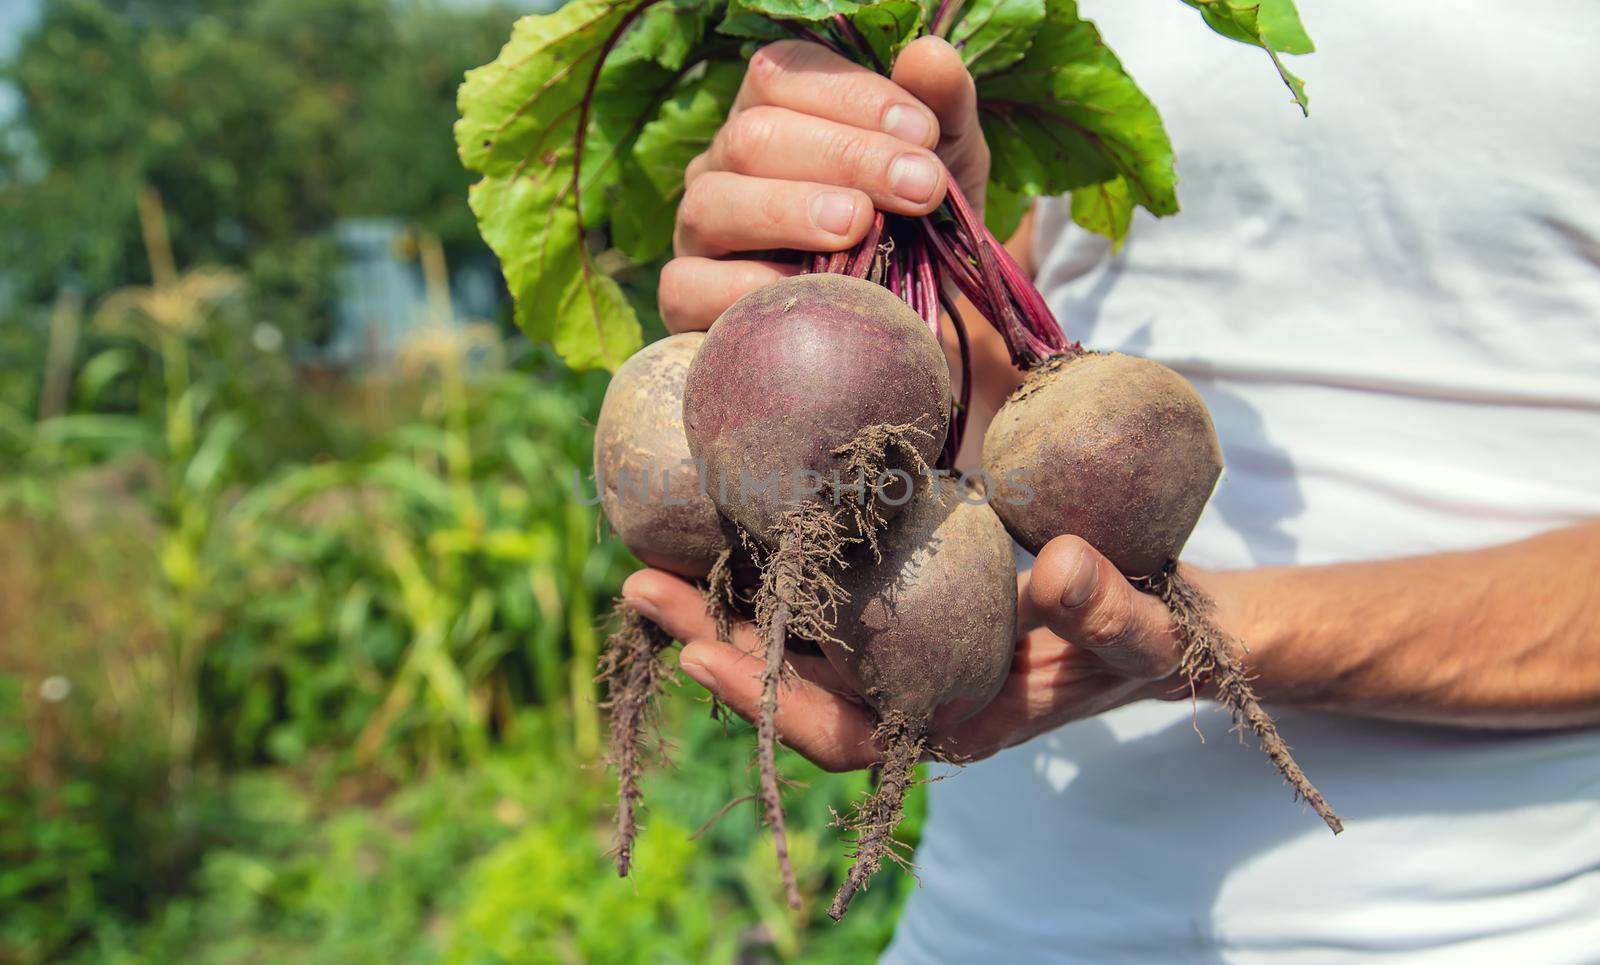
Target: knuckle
[[696, 167], [851, 156], [1110, 623], [670, 296], [775, 213], [692, 209], [770, 63], [746, 137]]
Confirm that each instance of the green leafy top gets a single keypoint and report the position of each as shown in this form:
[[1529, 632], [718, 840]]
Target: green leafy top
[[1272, 25], [651, 80]]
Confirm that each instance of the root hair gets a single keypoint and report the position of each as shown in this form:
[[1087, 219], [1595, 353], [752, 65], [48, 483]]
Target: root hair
[[719, 595], [874, 820], [866, 457], [632, 669], [1211, 656]]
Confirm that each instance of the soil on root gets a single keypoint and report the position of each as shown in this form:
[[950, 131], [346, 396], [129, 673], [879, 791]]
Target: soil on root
[[1036, 375], [1211, 657], [866, 458], [799, 594], [875, 819], [632, 668], [720, 596]]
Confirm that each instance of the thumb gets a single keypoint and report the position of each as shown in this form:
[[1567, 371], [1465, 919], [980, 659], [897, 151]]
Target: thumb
[[1081, 597], [932, 71]]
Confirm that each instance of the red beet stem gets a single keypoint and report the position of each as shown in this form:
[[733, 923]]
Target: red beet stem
[[804, 32], [929, 284], [958, 415], [865, 253], [1025, 321], [850, 35], [944, 17]]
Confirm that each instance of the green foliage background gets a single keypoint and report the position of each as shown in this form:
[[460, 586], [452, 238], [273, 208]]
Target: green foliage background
[[259, 123], [297, 662]]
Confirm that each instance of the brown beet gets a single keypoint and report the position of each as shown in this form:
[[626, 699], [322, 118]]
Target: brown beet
[[1116, 449], [639, 444], [792, 373]]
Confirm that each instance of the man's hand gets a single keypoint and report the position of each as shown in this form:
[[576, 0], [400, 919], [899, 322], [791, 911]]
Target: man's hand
[[813, 144], [1088, 642]]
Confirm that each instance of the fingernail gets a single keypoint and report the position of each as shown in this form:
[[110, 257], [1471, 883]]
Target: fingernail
[[913, 177], [643, 607], [1081, 585], [908, 124], [699, 673], [833, 212]]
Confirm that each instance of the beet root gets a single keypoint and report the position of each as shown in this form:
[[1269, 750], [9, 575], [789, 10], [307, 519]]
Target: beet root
[[805, 398], [790, 378], [1121, 451], [929, 631], [652, 496], [1116, 449], [650, 488], [930, 628]]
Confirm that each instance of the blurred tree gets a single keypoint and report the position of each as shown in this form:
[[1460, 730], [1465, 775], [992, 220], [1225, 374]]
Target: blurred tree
[[260, 125]]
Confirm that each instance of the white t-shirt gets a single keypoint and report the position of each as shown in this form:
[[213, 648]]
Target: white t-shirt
[[1393, 310]]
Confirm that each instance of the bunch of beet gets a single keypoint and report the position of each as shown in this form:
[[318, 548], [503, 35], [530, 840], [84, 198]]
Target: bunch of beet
[[797, 445]]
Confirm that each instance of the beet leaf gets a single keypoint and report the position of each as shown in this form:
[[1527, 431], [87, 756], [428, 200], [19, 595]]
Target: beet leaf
[[651, 81], [1272, 25]]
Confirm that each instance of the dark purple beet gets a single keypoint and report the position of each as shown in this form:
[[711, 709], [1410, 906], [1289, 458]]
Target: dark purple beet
[[797, 369]]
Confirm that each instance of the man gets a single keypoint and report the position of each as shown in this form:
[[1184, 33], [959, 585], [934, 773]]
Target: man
[[1393, 310]]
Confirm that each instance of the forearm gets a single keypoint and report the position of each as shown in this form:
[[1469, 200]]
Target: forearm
[[1502, 637]]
